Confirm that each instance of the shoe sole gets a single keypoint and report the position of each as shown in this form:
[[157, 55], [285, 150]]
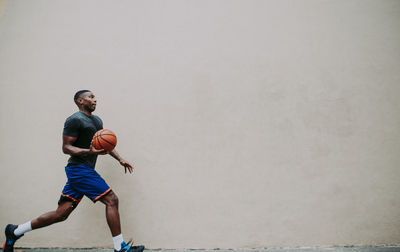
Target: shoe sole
[[140, 249]]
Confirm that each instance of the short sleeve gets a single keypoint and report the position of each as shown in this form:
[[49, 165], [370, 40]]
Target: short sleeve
[[99, 122], [71, 127]]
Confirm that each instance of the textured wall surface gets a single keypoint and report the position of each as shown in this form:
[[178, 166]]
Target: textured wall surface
[[250, 123]]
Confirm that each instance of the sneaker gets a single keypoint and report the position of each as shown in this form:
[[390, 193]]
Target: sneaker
[[128, 248], [11, 238]]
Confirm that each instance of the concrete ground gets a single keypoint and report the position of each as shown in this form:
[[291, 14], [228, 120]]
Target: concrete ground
[[332, 249]]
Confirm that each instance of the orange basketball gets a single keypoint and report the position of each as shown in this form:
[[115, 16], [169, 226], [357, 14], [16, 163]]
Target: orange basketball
[[104, 139]]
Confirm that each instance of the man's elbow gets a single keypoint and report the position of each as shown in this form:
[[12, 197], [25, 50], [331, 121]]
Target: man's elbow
[[65, 150]]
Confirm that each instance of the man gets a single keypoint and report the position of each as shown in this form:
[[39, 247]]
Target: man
[[78, 132]]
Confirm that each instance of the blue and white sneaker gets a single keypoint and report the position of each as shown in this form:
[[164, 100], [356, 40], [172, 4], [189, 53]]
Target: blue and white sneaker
[[128, 248], [11, 238]]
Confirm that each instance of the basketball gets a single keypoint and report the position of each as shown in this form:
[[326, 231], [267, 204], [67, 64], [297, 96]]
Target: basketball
[[104, 139]]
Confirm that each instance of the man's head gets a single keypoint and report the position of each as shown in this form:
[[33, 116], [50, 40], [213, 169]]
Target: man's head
[[85, 100]]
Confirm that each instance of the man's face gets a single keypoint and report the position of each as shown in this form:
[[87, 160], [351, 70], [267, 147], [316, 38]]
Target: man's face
[[88, 101]]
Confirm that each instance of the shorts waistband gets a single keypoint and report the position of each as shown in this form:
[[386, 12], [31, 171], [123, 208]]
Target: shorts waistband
[[79, 165]]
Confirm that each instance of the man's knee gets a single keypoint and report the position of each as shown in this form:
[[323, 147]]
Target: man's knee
[[114, 199], [111, 199], [63, 211], [61, 216]]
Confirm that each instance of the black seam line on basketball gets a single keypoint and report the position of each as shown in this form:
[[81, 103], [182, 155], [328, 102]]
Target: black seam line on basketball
[[106, 134], [98, 141], [107, 142], [95, 138]]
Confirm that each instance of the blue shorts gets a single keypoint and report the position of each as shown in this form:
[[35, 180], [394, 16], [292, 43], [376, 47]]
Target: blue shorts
[[83, 180]]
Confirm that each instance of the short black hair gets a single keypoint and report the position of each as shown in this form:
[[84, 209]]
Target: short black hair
[[78, 94]]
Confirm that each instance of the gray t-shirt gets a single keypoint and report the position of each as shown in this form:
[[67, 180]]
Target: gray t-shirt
[[83, 127]]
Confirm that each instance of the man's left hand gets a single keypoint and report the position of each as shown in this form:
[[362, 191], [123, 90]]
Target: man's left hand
[[128, 166]]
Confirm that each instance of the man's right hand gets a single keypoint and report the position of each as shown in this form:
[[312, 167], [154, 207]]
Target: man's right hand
[[96, 151], [68, 148]]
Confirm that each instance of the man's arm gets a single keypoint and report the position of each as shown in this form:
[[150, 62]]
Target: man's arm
[[68, 148], [125, 164]]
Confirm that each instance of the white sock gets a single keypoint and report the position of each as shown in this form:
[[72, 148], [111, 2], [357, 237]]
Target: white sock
[[117, 242], [23, 228]]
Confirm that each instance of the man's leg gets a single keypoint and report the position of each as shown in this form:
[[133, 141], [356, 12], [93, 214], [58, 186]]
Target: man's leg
[[61, 214], [112, 213], [94, 187], [13, 232], [113, 220]]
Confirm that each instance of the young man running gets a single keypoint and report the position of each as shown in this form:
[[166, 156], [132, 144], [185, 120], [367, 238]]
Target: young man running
[[78, 132]]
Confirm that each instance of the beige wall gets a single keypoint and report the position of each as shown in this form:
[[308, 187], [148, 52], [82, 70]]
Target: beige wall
[[250, 123]]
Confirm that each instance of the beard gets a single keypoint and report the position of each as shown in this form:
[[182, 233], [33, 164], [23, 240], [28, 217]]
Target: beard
[[90, 108]]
